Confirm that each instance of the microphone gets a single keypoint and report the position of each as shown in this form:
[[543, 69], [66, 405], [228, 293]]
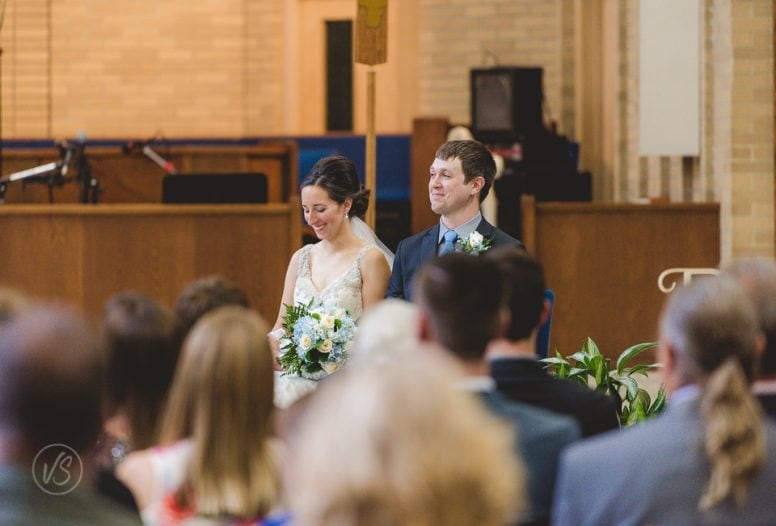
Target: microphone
[[66, 151]]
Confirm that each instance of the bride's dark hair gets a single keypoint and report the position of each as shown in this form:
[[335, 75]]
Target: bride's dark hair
[[337, 175]]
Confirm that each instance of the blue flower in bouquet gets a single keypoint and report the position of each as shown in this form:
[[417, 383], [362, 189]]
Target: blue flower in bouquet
[[318, 340]]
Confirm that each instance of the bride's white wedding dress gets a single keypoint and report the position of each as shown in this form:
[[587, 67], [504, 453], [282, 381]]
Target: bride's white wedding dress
[[344, 293]]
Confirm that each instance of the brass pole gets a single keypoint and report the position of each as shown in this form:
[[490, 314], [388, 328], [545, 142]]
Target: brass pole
[[371, 148]]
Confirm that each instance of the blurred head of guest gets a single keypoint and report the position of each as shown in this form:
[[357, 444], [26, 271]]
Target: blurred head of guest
[[12, 303], [138, 336], [387, 332], [461, 304], [218, 460], [758, 278], [203, 295], [50, 383], [708, 338], [398, 444], [525, 282]]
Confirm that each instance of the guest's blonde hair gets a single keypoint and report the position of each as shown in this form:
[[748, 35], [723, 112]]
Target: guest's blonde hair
[[399, 444], [713, 327], [221, 397]]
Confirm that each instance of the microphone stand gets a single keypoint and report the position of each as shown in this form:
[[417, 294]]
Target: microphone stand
[[55, 174], [49, 173], [90, 187]]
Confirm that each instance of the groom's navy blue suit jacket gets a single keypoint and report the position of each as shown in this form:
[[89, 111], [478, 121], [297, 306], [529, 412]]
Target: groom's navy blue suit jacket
[[415, 250]]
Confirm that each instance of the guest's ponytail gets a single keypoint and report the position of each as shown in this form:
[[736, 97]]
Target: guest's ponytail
[[734, 439], [711, 326]]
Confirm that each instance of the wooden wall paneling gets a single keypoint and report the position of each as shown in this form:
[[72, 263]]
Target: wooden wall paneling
[[281, 158], [528, 221], [84, 254], [428, 134], [41, 254], [603, 262]]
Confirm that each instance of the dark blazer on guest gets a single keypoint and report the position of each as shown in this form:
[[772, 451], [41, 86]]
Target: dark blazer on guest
[[415, 250], [654, 473], [768, 403], [526, 380], [541, 436]]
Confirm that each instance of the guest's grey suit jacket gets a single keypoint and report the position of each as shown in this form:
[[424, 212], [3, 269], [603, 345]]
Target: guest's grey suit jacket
[[415, 250], [654, 473], [541, 436]]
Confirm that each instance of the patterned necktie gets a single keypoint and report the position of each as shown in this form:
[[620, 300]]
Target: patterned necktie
[[449, 244]]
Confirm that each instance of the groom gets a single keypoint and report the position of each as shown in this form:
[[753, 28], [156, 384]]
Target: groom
[[460, 178]]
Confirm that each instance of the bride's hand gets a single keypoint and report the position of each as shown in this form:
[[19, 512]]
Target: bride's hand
[[274, 344]]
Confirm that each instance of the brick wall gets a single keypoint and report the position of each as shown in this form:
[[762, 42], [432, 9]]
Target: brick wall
[[457, 35], [26, 88], [202, 68], [219, 68], [736, 163], [752, 128]]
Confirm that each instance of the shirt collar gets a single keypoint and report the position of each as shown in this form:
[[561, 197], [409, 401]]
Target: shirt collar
[[477, 384], [684, 393], [463, 230]]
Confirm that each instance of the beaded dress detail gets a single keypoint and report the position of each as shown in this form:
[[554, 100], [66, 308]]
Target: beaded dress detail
[[342, 293]]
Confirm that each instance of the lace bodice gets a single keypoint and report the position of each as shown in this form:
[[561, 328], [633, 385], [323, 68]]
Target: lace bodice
[[344, 292]]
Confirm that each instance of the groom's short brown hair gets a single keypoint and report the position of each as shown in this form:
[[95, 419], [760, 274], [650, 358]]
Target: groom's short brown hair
[[462, 296], [476, 161]]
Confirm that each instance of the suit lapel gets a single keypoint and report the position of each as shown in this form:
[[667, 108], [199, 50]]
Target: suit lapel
[[485, 228], [429, 246]]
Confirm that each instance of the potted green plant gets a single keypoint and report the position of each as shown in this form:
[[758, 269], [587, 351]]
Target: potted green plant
[[589, 367]]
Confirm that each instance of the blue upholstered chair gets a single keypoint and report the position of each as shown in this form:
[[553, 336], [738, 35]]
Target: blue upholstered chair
[[543, 338]]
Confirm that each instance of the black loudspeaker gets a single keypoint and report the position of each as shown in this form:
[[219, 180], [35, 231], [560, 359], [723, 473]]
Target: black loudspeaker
[[215, 188], [506, 104]]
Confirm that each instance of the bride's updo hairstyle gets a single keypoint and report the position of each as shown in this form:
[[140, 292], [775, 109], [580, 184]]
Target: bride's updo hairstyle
[[337, 175]]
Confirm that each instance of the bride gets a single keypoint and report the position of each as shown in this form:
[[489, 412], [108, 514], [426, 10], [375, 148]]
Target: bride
[[348, 269]]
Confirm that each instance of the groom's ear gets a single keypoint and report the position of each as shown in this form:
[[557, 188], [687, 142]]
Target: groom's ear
[[477, 184]]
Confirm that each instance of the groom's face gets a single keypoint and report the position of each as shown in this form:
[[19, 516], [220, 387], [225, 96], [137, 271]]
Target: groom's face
[[447, 189]]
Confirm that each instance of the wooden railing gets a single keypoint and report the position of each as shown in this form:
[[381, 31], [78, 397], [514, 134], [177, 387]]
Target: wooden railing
[[603, 262], [83, 254], [134, 178]]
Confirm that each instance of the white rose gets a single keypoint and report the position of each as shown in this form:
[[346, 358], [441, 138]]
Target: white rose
[[331, 367], [475, 239], [327, 321], [326, 346], [339, 314], [305, 342]]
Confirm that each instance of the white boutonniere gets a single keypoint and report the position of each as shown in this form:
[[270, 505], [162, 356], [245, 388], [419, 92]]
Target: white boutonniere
[[475, 244]]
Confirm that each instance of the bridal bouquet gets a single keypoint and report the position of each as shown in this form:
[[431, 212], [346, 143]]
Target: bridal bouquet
[[317, 340]]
